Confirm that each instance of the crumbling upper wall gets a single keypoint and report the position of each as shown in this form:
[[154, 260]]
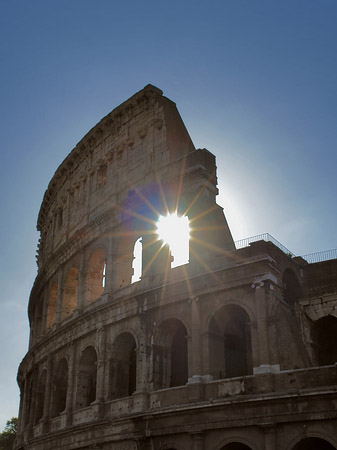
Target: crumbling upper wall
[[125, 149]]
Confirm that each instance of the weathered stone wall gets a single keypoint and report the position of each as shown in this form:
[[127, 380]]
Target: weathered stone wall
[[225, 352]]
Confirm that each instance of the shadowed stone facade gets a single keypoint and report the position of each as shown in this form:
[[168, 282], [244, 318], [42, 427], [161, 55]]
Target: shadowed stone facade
[[234, 350]]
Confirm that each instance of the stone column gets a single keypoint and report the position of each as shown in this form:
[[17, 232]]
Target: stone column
[[262, 335], [100, 364], [71, 385], [194, 359], [32, 402], [198, 441], [81, 283], [270, 437], [142, 366]]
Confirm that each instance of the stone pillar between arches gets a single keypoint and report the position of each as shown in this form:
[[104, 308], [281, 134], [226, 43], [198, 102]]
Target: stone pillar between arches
[[262, 357], [99, 402], [71, 385], [47, 397]]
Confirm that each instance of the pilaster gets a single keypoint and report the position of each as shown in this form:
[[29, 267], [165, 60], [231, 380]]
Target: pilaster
[[263, 359], [71, 385]]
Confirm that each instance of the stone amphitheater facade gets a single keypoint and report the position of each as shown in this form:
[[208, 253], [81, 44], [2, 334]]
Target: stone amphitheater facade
[[234, 350]]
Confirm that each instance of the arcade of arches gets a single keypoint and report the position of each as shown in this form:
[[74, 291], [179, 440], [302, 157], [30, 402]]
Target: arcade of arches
[[133, 348]]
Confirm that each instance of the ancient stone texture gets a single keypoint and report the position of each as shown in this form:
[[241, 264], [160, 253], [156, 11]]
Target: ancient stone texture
[[230, 351]]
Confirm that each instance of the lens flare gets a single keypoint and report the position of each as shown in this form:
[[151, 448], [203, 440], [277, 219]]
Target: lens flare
[[174, 231]]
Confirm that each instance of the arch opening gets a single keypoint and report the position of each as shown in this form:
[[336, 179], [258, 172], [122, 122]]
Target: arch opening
[[123, 367], [313, 443], [70, 293], [236, 446], [230, 349], [291, 287], [60, 388], [137, 261], [86, 378], [174, 231], [325, 337], [171, 355], [95, 280], [52, 304], [40, 397]]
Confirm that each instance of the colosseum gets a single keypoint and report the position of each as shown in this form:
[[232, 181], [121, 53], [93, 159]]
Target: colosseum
[[149, 327]]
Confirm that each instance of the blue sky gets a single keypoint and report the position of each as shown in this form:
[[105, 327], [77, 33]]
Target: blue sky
[[255, 83]]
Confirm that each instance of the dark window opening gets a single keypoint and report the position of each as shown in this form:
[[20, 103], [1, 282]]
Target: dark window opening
[[236, 446], [170, 355], [291, 287], [179, 364], [87, 378], [325, 337], [230, 346], [313, 444], [60, 387], [123, 367], [40, 397]]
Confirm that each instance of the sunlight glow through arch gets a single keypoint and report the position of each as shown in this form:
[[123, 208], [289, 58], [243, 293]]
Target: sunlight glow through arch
[[137, 261], [175, 232]]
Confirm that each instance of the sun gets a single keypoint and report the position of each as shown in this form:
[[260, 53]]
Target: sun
[[174, 231]]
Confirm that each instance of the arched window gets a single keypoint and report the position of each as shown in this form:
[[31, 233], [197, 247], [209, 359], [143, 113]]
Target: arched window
[[291, 287], [236, 446], [325, 337], [52, 303], [40, 396], [70, 293], [174, 231], [230, 343], [137, 261], [313, 443], [60, 387], [123, 366], [171, 355], [86, 379], [95, 280]]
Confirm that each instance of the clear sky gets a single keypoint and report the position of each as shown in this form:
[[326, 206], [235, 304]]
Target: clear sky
[[255, 82]]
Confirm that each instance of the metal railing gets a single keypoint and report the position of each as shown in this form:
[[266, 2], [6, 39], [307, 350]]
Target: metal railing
[[310, 258], [263, 237], [321, 256]]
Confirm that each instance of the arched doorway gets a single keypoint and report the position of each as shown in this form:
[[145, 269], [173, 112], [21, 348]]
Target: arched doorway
[[171, 355], [123, 366], [325, 337], [291, 287], [313, 443], [236, 446], [86, 379], [230, 351], [40, 397], [60, 387]]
